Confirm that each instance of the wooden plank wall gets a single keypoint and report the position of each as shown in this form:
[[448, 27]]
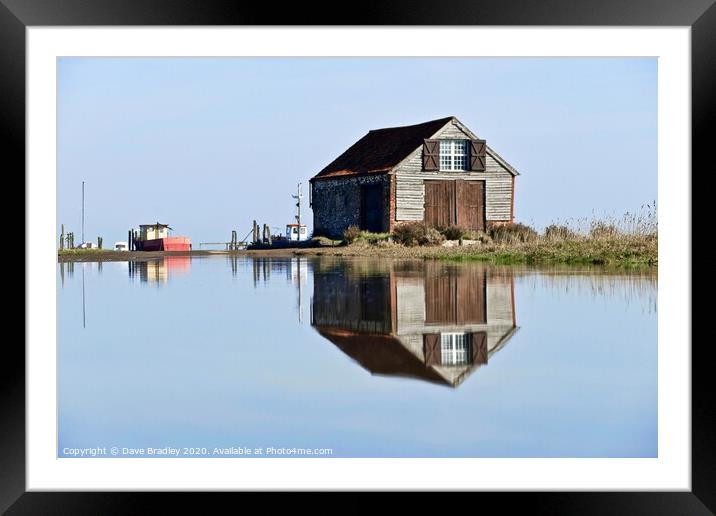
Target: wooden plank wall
[[491, 295], [410, 190]]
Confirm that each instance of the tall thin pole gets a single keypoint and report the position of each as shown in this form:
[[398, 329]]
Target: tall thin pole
[[300, 304], [83, 212], [84, 323], [298, 204]]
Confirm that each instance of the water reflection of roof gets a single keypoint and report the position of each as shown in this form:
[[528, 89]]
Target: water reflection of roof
[[381, 354]]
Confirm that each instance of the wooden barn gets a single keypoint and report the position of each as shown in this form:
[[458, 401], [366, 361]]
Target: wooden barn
[[439, 172]]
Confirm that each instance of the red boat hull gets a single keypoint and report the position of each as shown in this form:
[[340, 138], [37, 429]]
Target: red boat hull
[[165, 244]]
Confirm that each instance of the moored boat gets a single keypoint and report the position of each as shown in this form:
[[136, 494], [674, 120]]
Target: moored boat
[[155, 237]]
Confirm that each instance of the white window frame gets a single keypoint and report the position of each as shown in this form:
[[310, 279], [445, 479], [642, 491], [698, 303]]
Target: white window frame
[[453, 152], [455, 348]]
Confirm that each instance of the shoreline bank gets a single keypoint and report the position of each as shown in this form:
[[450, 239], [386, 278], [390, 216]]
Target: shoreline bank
[[586, 252], [126, 256]]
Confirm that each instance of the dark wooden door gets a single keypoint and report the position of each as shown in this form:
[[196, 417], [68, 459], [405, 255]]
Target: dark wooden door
[[455, 202], [470, 196], [371, 208], [439, 203]]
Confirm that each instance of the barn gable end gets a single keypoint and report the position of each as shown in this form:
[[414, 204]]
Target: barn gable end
[[410, 177]]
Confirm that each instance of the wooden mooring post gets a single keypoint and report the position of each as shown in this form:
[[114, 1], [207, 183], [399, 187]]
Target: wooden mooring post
[[267, 234], [256, 233], [132, 240], [231, 245]]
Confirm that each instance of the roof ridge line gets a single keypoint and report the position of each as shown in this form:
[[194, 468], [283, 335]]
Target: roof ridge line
[[451, 117]]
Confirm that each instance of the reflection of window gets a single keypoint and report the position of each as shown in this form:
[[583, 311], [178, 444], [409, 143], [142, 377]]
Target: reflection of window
[[454, 348]]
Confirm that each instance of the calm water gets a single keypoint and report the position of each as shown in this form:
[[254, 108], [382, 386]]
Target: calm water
[[215, 356]]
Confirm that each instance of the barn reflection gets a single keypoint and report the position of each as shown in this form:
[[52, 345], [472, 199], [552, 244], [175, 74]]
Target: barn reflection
[[430, 321]]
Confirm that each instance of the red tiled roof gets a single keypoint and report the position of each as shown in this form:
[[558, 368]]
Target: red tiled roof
[[381, 149]]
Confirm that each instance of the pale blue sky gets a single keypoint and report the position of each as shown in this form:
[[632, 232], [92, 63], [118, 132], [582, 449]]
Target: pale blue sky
[[207, 144]]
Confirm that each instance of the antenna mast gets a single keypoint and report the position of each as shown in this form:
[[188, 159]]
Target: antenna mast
[[83, 212], [298, 203]]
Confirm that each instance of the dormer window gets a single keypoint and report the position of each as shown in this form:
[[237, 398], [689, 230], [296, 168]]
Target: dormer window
[[453, 154]]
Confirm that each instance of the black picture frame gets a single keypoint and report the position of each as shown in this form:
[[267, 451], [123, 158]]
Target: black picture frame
[[17, 15]]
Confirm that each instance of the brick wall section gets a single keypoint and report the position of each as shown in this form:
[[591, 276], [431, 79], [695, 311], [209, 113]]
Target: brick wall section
[[336, 203], [391, 210]]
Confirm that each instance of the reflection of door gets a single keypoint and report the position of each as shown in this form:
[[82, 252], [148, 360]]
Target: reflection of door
[[374, 298], [457, 202], [456, 297], [440, 299], [371, 208], [471, 297]]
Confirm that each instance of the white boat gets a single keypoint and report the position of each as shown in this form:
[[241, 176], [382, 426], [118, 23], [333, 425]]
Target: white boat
[[296, 232]]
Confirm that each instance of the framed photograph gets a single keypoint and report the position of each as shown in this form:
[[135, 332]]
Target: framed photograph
[[395, 251]]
